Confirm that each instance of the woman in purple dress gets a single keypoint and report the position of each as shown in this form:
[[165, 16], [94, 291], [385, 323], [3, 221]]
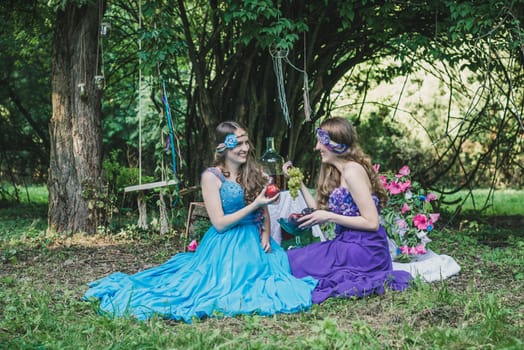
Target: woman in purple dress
[[349, 194]]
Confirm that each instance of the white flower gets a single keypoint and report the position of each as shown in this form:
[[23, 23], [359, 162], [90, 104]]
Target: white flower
[[423, 236]]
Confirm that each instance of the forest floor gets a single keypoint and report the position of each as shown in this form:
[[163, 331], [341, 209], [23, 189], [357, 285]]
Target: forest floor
[[490, 252]]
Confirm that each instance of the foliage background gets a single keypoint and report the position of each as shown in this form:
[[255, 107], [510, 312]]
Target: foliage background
[[437, 85]]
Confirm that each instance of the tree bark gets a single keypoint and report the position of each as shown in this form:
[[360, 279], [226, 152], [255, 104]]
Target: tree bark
[[75, 126]]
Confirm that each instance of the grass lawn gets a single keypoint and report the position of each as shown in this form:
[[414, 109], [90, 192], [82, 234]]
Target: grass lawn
[[507, 202], [43, 278]]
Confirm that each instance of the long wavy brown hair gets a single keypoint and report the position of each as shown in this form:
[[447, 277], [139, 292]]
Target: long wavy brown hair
[[251, 176], [341, 130]]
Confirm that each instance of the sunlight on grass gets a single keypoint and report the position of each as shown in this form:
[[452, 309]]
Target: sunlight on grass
[[36, 194], [501, 202]]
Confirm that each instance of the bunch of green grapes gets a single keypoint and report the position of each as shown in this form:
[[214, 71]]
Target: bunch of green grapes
[[295, 180]]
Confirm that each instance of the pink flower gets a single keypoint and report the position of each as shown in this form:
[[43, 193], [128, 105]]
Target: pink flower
[[407, 196], [405, 185], [404, 249], [384, 181], [192, 246], [421, 221], [403, 171], [420, 249], [433, 217], [395, 188], [430, 197], [401, 223]]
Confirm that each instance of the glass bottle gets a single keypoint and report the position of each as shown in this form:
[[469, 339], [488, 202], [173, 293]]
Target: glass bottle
[[272, 163]]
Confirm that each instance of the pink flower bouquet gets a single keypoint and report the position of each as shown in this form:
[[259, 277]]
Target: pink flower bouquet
[[407, 218]]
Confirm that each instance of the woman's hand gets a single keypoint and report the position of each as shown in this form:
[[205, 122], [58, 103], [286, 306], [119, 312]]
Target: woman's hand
[[285, 167], [317, 217], [266, 244], [262, 200]]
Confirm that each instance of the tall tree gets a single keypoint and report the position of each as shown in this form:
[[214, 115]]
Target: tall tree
[[227, 70], [230, 48], [75, 127], [235, 46]]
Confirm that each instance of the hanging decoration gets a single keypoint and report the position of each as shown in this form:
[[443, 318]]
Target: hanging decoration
[[105, 27], [279, 55], [140, 115], [171, 140], [308, 111], [99, 79], [82, 73]]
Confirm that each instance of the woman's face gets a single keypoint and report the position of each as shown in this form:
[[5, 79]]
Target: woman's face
[[325, 154], [240, 152]]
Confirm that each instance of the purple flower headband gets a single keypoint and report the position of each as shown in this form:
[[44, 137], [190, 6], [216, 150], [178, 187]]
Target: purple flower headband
[[323, 138], [230, 142]]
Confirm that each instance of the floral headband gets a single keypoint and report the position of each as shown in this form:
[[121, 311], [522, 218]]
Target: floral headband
[[323, 138], [230, 142]]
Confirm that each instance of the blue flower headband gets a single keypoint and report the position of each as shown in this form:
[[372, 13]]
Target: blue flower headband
[[230, 142], [323, 138]]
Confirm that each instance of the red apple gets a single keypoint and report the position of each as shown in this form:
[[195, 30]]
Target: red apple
[[293, 218], [272, 190]]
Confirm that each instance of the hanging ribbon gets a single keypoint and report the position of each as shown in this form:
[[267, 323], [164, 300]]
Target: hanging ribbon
[[277, 66], [171, 141], [279, 55]]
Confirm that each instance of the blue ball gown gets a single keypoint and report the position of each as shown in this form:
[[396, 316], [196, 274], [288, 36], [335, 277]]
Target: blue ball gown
[[354, 264], [229, 274]]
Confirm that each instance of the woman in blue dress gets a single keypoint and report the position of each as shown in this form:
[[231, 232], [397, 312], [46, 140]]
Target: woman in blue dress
[[356, 262], [237, 268]]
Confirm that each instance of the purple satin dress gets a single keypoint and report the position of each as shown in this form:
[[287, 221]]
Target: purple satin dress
[[355, 263]]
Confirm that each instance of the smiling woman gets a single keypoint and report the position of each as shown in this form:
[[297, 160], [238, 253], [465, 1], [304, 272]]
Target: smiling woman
[[356, 263], [237, 268]]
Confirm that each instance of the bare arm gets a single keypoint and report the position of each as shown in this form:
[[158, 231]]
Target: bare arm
[[308, 197], [211, 194]]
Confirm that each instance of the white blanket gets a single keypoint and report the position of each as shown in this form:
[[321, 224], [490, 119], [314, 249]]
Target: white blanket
[[430, 267]]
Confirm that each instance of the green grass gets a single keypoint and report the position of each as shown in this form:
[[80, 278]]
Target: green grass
[[43, 278], [505, 202], [24, 220]]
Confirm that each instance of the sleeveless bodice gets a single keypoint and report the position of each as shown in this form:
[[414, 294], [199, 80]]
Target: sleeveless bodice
[[232, 196], [341, 202]]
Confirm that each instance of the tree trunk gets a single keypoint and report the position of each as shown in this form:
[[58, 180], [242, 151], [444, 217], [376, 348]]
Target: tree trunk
[[75, 127]]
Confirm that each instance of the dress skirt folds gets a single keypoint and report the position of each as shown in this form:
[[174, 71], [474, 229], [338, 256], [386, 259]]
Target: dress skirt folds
[[229, 274], [355, 263]]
